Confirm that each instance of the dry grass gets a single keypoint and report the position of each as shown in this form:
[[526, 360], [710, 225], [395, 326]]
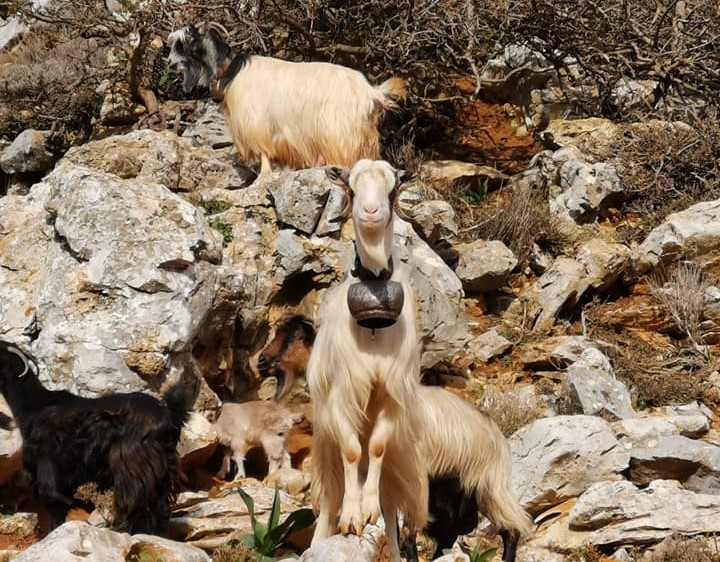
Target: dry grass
[[667, 169], [519, 216], [512, 410], [234, 551], [102, 501], [681, 549], [681, 290]]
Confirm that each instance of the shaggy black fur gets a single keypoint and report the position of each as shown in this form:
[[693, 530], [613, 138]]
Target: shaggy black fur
[[453, 512], [122, 441]]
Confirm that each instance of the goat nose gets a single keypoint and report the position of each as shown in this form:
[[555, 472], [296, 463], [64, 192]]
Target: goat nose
[[370, 209]]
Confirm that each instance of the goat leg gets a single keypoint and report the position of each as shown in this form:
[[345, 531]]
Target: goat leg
[[509, 545], [377, 445]]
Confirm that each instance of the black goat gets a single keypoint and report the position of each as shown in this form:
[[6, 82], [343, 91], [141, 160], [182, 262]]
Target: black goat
[[286, 356], [122, 441]]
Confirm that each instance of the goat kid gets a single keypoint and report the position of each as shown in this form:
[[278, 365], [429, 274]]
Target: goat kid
[[294, 114], [258, 422], [363, 384], [122, 441]]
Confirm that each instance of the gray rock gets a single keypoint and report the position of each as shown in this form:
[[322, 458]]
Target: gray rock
[[484, 266], [692, 233], [618, 513], [77, 541], [642, 432], [557, 352], [594, 384], [676, 457], [299, 198], [487, 345], [27, 153], [209, 127], [558, 458], [603, 261], [583, 189], [363, 548]]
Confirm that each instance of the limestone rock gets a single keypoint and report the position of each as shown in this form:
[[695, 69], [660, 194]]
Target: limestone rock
[[77, 541], [484, 266], [557, 458], [676, 457], [209, 127], [27, 153], [620, 513], [689, 234], [594, 384]]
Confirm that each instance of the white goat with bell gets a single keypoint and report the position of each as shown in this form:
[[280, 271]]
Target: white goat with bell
[[363, 374]]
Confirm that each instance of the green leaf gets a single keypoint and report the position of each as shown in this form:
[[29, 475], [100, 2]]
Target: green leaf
[[295, 521], [274, 516]]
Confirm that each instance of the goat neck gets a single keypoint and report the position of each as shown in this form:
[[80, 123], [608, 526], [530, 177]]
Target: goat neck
[[364, 274]]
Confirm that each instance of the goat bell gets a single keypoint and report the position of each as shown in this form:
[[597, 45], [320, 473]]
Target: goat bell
[[375, 303]]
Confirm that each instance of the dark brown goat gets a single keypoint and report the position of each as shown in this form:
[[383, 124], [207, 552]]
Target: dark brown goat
[[286, 356], [122, 441]]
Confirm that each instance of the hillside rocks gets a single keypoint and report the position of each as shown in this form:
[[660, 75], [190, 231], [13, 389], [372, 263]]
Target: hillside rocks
[[27, 153]]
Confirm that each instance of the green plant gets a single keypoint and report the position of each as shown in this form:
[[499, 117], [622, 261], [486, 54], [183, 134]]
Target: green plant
[[267, 538], [476, 555], [223, 228]]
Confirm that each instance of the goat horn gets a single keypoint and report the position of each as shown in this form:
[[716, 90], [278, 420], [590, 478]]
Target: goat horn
[[15, 351], [218, 27], [403, 182], [340, 178]]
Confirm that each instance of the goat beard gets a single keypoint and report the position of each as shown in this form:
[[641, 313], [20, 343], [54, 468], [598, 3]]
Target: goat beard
[[374, 249]]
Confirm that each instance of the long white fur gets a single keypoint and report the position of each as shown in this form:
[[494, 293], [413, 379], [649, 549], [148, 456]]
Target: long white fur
[[363, 386], [459, 439], [307, 114]]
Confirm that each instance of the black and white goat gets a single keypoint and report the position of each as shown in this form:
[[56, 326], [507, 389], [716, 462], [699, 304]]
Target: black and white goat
[[293, 114], [363, 383], [126, 442]]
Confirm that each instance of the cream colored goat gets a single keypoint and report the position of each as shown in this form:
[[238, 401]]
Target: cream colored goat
[[294, 114], [460, 440], [363, 384], [259, 422]]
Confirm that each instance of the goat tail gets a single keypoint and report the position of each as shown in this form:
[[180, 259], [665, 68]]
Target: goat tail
[[499, 502], [178, 398], [392, 92]]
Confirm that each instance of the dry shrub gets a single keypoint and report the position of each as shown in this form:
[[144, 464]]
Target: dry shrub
[[50, 77], [681, 290], [512, 410], [585, 553], [234, 551], [667, 168], [519, 216], [101, 501], [681, 549]]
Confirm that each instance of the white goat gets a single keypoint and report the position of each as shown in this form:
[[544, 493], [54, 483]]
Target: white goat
[[298, 115], [459, 440], [363, 384], [259, 422]]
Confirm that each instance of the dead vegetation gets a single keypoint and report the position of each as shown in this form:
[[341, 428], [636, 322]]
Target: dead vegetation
[[683, 549]]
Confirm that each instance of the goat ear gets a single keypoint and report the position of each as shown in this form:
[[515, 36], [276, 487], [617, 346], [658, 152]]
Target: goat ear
[[308, 331], [338, 175]]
